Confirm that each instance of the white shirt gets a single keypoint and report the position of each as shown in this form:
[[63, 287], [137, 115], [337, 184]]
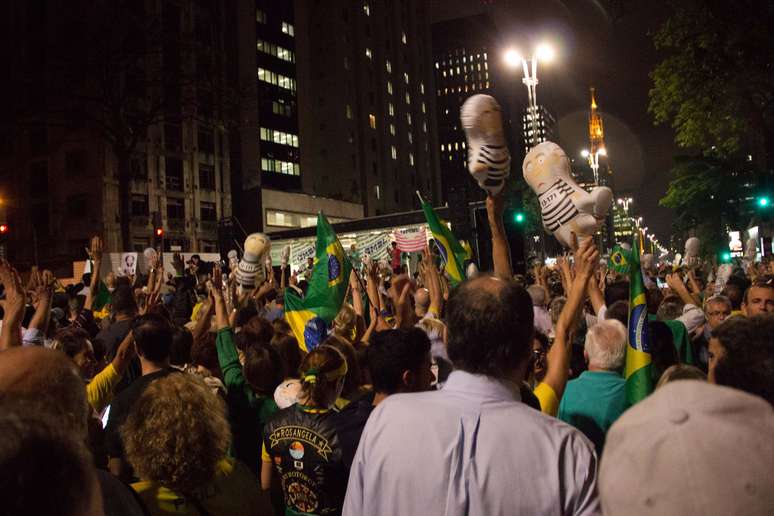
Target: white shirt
[[471, 448]]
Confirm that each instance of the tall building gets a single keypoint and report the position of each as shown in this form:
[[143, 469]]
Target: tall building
[[366, 103], [98, 142], [466, 62], [545, 126]]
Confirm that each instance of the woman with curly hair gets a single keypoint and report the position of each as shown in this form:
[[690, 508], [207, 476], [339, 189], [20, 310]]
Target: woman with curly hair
[[176, 438], [301, 442]]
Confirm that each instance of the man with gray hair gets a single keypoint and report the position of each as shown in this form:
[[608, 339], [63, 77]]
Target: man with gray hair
[[716, 310], [594, 400]]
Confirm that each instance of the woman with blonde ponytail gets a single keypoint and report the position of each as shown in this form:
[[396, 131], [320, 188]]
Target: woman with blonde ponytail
[[301, 443]]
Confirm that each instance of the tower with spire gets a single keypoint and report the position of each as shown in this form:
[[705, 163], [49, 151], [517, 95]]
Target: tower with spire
[[596, 129]]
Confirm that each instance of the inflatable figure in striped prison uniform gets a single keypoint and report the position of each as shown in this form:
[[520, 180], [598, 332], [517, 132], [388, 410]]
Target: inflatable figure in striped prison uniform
[[565, 207], [489, 160]]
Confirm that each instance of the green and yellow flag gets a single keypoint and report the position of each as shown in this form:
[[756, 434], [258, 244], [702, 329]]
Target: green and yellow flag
[[619, 260], [310, 317], [452, 253], [638, 362]]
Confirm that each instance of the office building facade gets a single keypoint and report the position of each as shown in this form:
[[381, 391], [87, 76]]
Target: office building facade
[[367, 103]]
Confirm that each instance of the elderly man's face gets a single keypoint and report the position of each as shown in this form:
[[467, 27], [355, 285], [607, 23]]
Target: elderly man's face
[[717, 313], [759, 300]]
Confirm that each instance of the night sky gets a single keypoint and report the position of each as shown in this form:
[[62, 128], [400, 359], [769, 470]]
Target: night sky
[[610, 51]]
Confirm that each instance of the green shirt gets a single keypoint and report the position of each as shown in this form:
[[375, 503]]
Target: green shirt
[[247, 412], [592, 402]]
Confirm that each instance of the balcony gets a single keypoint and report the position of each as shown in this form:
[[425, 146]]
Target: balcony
[[208, 226], [176, 224]]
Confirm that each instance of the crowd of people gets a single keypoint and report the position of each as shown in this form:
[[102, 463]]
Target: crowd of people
[[504, 394]]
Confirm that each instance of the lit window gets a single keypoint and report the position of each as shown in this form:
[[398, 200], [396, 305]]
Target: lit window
[[436, 65], [391, 109], [389, 87], [388, 65], [287, 28], [444, 73], [393, 152], [368, 53], [424, 127], [279, 137], [372, 121], [408, 118], [443, 147], [280, 167], [408, 98], [260, 16], [405, 78], [403, 38], [423, 108], [410, 137], [392, 129], [411, 159], [378, 192], [367, 9], [348, 111], [422, 88]]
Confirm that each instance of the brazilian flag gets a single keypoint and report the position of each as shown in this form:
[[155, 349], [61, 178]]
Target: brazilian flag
[[452, 253], [638, 361], [310, 317], [619, 260]]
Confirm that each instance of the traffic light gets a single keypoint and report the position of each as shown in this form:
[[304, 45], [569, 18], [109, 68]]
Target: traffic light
[[159, 232], [3, 229], [725, 257], [764, 201], [518, 217]]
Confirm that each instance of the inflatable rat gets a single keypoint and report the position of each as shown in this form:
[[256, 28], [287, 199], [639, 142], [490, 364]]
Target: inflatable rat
[[692, 246], [251, 267], [489, 160], [565, 207]]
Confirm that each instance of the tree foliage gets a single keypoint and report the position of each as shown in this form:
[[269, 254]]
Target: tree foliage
[[704, 194], [715, 85]]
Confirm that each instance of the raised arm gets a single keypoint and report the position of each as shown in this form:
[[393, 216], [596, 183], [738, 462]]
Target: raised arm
[[10, 336], [44, 291], [501, 255], [586, 259], [432, 281], [95, 254], [675, 282]]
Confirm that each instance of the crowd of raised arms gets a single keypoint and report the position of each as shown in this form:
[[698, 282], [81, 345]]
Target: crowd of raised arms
[[505, 394]]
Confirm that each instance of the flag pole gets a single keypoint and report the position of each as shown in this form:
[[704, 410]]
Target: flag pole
[[422, 201]]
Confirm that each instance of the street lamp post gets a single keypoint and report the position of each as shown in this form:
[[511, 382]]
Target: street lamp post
[[594, 161], [530, 80]]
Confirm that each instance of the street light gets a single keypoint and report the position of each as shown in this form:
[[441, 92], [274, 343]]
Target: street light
[[512, 58], [594, 161]]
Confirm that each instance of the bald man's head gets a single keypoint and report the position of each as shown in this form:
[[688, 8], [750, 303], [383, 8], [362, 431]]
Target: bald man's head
[[490, 326], [46, 381]]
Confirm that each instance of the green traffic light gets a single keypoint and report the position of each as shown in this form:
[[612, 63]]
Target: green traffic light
[[763, 202], [726, 257], [519, 218]]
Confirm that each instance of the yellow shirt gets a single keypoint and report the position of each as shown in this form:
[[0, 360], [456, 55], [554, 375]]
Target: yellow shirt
[[99, 391], [549, 403], [234, 490]]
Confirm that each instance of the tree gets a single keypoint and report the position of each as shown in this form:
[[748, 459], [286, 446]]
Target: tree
[[705, 193], [116, 69], [716, 84]]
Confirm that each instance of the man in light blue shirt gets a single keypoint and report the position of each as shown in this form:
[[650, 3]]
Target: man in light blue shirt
[[592, 402], [474, 447]]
